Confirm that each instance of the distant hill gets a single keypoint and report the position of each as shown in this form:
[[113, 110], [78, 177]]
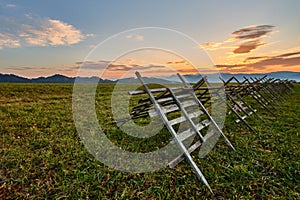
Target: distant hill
[[147, 80], [11, 78], [193, 78], [57, 78], [283, 75]]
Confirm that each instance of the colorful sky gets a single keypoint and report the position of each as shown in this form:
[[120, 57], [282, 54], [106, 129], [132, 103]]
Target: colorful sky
[[42, 38]]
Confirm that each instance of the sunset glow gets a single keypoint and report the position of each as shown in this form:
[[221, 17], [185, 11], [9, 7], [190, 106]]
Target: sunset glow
[[46, 38]]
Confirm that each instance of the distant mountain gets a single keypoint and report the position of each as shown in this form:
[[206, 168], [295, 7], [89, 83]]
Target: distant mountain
[[11, 78], [57, 78], [283, 75], [191, 78], [286, 75], [147, 80]]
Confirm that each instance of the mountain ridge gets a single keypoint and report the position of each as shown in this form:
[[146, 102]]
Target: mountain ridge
[[192, 78]]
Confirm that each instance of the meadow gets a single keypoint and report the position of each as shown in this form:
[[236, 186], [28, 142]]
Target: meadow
[[42, 156]]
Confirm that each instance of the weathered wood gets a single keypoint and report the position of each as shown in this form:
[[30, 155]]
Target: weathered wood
[[180, 158], [188, 133], [172, 108], [173, 132], [182, 118], [136, 92], [191, 149]]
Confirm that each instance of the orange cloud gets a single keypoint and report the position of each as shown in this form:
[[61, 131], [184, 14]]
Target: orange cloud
[[177, 62], [219, 45], [265, 63], [246, 47], [243, 40]]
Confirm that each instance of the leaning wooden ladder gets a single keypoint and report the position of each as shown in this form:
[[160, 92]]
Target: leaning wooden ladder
[[235, 103], [194, 128]]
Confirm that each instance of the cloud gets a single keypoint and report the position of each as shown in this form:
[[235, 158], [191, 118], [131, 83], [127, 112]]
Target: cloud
[[10, 5], [8, 40], [51, 32], [115, 66], [243, 40], [275, 61], [256, 58], [150, 66], [29, 30], [219, 45], [272, 57], [289, 54], [135, 37], [177, 62], [19, 68], [263, 62], [248, 46], [93, 65], [253, 32]]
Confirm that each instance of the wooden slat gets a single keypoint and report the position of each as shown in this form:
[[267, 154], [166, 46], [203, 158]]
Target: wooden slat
[[184, 150], [206, 122], [209, 134], [179, 158], [182, 118], [171, 108], [188, 133], [244, 117], [161, 100], [136, 92]]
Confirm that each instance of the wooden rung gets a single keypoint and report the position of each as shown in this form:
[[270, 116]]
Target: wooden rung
[[182, 118], [243, 117], [206, 122], [166, 99], [181, 157], [186, 134], [189, 132], [186, 152], [136, 92], [155, 90], [171, 108], [208, 135], [161, 100]]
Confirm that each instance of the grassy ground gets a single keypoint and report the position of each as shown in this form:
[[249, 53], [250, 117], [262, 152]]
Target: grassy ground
[[42, 156]]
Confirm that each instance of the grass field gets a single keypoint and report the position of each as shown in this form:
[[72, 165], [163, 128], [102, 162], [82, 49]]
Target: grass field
[[42, 156]]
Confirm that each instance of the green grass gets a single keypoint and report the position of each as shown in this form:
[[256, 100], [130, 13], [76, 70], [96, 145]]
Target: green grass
[[42, 156]]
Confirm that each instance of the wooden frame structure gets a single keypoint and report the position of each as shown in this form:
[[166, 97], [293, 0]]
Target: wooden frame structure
[[191, 103]]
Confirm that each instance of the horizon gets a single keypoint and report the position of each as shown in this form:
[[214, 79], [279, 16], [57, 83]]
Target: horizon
[[51, 75], [41, 39]]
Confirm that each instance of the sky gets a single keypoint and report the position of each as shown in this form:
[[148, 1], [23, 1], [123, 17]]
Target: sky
[[111, 38]]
